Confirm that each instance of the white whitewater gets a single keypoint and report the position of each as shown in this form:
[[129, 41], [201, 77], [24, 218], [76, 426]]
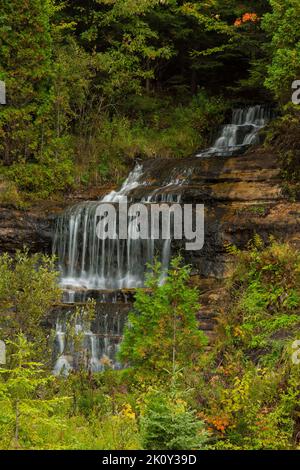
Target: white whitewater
[[87, 262], [99, 349], [62, 364], [242, 132]]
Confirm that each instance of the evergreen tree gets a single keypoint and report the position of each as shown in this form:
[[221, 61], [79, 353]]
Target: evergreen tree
[[162, 332], [28, 290], [25, 66]]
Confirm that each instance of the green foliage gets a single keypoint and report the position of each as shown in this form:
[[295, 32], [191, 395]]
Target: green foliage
[[283, 29], [254, 394], [266, 299], [28, 289], [167, 424], [27, 413], [155, 128], [36, 181], [34, 121], [34, 415], [25, 66], [162, 333], [283, 136], [83, 120], [10, 196], [253, 413], [90, 87], [243, 394]]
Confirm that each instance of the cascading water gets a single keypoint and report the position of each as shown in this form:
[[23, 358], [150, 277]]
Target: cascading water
[[100, 348], [62, 364], [241, 133], [89, 264]]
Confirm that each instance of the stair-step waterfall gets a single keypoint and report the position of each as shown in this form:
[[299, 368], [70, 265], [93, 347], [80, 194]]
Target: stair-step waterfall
[[88, 262], [99, 348], [242, 132], [108, 270]]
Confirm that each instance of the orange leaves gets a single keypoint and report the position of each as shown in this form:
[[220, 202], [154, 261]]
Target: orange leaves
[[250, 17], [238, 22], [216, 423], [246, 18]]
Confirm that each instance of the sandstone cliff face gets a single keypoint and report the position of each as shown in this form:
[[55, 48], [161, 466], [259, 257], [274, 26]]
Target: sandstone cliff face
[[242, 196], [19, 229]]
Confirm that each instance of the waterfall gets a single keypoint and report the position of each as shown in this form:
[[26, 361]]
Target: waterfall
[[62, 364], [99, 348], [91, 267], [87, 262], [241, 133]]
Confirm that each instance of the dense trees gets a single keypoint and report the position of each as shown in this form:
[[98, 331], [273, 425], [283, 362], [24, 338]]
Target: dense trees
[[28, 289], [90, 85], [242, 393], [176, 46], [27, 410], [25, 58], [282, 27]]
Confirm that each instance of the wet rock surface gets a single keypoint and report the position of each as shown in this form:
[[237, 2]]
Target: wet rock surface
[[242, 196]]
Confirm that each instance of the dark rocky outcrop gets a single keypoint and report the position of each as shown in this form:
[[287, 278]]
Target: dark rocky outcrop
[[31, 229], [242, 196]]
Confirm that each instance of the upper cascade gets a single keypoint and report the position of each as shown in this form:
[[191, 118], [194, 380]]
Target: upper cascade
[[243, 131], [133, 181]]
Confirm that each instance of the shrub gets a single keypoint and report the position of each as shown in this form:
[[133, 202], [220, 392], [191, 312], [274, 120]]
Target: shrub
[[10, 196], [28, 289], [167, 424]]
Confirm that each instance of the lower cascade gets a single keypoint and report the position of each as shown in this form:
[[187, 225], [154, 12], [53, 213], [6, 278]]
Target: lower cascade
[[97, 351], [88, 264]]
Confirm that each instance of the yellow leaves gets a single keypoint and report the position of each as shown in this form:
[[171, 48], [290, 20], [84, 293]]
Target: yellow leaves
[[238, 332], [236, 398], [188, 8], [128, 412], [181, 406]]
